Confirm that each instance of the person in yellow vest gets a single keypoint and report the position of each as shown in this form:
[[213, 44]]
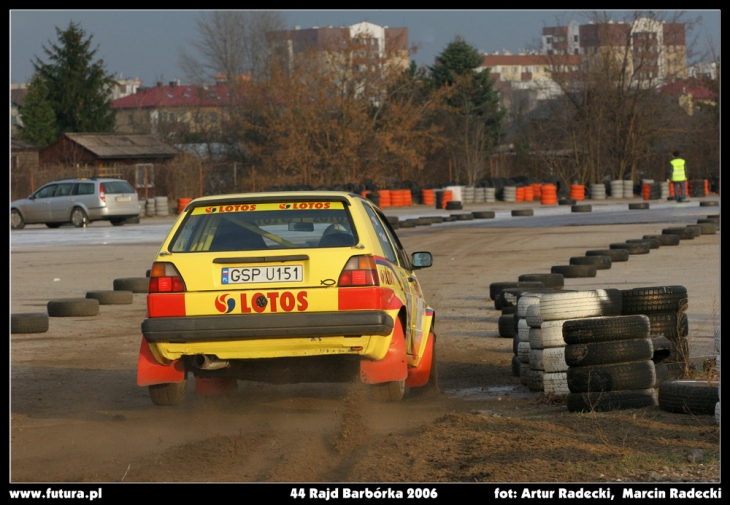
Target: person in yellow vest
[[677, 175]]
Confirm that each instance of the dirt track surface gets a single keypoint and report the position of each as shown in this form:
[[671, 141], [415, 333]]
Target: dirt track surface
[[77, 414]]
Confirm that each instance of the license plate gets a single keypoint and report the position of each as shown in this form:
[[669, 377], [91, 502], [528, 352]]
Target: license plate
[[124, 199], [251, 275]]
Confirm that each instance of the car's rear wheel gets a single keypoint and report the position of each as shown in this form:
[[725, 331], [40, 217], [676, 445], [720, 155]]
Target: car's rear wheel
[[16, 220], [169, 394], [78, 217], [392, 391], [53, 225]]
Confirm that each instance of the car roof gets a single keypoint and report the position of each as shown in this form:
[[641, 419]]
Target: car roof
[[84, 179], [296, 196]]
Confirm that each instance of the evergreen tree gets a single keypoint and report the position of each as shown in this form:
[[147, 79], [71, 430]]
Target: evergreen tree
[[39, 120], [78, 88], [472, 110]]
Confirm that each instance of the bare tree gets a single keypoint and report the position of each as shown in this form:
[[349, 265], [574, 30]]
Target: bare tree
[[231, 43]]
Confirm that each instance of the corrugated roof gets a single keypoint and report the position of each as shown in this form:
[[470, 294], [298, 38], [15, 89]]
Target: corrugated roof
[[19, 145], [115, 145], [491, 60]]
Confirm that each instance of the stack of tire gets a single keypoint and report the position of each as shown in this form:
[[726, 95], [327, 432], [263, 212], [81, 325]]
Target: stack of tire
[[480, 194], [610, 363], [490, 195], [468, 194], [617, 188], [547, 366], [531, 369], [509, 194], [597, 191], [665, 308], [589, 385], [161, 207]]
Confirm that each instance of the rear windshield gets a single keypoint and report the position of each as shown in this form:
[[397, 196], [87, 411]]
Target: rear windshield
[[115, 187], [265, 226]]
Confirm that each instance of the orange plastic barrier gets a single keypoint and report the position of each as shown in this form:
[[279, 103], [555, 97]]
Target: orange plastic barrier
[[548, 194], [182, 203], [646, 191], [529, 193], [520, 194], [577, 192], [429, 197], [384, 198]]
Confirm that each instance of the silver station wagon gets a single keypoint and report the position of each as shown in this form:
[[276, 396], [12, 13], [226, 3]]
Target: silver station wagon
[[76, 201]]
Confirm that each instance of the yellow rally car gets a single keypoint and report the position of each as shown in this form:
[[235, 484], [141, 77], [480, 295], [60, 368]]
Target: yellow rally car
[[285, 287]]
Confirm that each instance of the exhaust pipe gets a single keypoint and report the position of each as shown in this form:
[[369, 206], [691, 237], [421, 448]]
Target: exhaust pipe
[[208, 362]]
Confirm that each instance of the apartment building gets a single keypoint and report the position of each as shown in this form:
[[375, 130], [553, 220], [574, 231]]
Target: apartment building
[[384, 44], [656, 49]]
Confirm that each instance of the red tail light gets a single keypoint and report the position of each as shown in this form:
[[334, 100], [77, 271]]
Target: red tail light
[[102, 196], [359, 271], [164, 278]]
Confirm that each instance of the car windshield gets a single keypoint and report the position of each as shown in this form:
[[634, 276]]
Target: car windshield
[[265, 226]]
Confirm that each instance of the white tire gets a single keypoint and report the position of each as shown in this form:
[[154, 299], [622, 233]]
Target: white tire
[[525, 301], [523, 330], [553, 360], [578, 304], [552, 333], [523, 352], [533, 317], [555, 383], [536, 359]]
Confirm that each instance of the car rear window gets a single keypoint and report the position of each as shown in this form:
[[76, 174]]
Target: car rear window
[[265, 226], [116, 187]]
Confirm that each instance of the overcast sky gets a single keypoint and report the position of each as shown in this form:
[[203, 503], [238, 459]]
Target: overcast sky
[[145, 44]]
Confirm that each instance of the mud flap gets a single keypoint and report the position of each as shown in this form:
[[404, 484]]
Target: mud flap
[[150, 371], [418, 376], [393, 367]]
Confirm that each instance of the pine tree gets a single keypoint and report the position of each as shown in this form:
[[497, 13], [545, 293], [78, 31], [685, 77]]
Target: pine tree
[[78, 88], [39, 120], [472, 111]]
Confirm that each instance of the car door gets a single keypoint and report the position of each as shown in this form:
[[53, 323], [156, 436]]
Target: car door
[[398, 258], [60, 204], [38, 210]]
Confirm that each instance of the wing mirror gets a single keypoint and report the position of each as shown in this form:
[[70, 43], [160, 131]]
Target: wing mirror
[[421, 259]]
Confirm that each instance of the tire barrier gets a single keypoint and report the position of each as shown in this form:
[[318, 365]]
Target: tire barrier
[[638, 206], [628, 189], [496, 287], [581, 208], [598, 191], [665, 307], [73, 307], [695, 397], [617, 189], [509, 194], [555, 281], [133, 284], [28, 322], [161, 207], [574, 271], [631, 248], [523, 212], [601, 262], [615, 254], [664, 239]]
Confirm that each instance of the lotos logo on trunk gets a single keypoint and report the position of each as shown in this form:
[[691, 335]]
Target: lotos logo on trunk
[[286, 301], [223, 305]]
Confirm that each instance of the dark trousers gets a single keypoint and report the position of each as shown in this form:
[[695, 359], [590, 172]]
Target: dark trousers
[[680, 190]]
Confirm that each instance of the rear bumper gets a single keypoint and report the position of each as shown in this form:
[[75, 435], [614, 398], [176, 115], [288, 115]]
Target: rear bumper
[[267, 326]]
